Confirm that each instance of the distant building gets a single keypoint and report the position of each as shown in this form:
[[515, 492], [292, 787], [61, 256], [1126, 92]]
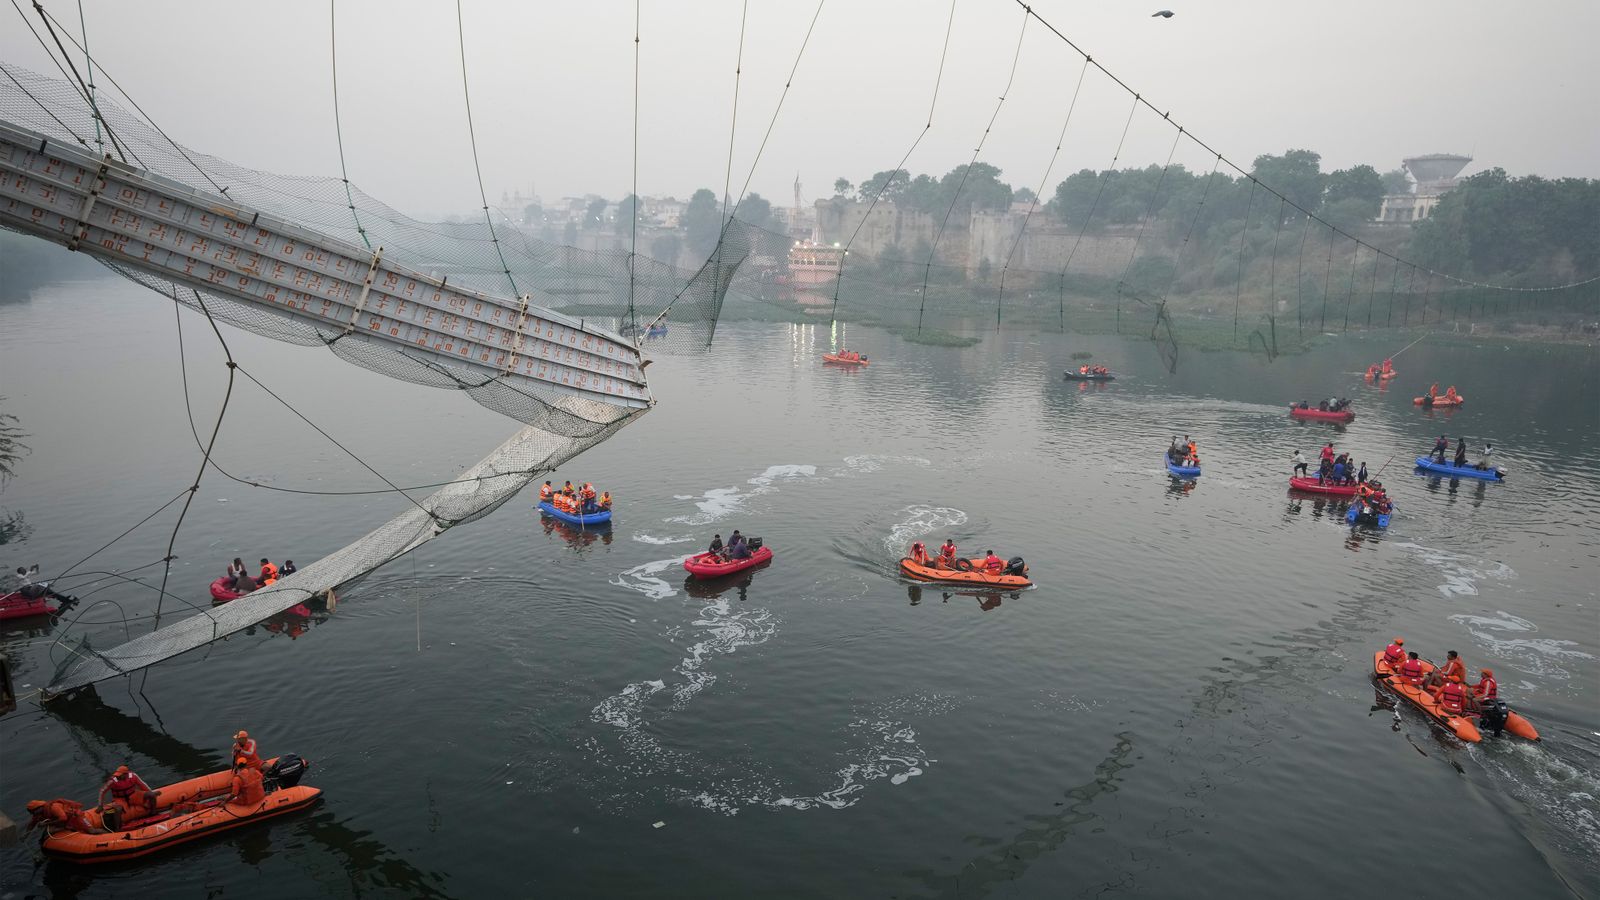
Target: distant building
[[813, 264], [1432, 177]]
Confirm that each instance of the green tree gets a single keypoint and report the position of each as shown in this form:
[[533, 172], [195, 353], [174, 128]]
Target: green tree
[[841, 187], [1023, 195], [666, 248], [893, 183], [755, 210], [625, 211], [1297, 174], [1395, 181], [702, 222], [595, 216], [1357, 184]]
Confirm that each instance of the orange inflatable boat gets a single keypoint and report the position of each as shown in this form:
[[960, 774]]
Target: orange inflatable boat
[[840, 359], [968, 572], [1467, 728], [184, 812], [1440, 400]]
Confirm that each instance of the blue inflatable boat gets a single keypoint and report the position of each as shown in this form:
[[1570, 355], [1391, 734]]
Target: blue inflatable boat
[[1355, 516], [1434, 467], [1181, 471], [585, 520]]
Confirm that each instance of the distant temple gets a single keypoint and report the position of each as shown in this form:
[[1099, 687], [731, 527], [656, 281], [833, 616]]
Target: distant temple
[[1433, 176]]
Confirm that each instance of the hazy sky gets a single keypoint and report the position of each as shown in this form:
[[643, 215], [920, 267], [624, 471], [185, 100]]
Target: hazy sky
[[1514, 85]]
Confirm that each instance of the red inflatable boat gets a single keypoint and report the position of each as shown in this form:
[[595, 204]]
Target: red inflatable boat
[[1313, 486], [845, 360], [1324, 415], [16, 606], [707, 565]]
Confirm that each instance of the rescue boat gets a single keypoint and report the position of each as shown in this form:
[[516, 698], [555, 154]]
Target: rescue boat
[[1433, 466], [709, 565], [838, 360], [1495, 717], [1356, 516], [1382, 376], [1089, 376], [589, 520], [185, 811], [1441, 400], [221, 593], [16, 606], [1313, 486], [1181, 471], [1323, 415], [969, 572]]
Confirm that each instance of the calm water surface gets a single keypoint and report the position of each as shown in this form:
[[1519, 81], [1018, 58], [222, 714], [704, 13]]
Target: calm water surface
[[1181, 707]]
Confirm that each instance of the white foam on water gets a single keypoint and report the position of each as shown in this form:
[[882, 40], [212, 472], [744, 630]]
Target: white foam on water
[[623, 709], [919, 521], [724, 630], [1462, 574], [719, 503], [887, 749], [866, 464], [643, 578], [658, 541], [1536, 656], [1563, 795]]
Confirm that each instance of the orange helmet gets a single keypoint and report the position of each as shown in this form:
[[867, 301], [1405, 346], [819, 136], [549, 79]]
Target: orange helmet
[[36, 805], [242, 736], [241, 761], [1488, 672], [1401, 641], [122, 770]]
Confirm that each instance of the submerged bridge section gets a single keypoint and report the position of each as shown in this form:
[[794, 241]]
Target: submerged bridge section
[[512, 356]]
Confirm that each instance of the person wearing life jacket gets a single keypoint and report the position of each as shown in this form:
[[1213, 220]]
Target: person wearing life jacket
[[587, 493], [1372, 371], [919, 553], [1453, 670], [1395, 654], [1433, 390], [1454, 698], [1412, 671], [567, 490], [244, 747], [1450, 393], [1441, 447], [1083, 370], [992, 564], [546, 492], [605, 500], [58, 815], [1388, 365], [132, 798], [269, 572], [1486, 688], [947, 554], [246, 789]]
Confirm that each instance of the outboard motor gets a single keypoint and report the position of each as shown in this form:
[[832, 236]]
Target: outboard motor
[[285, 773], [1493, 715], [1016, 566], [755, 544]]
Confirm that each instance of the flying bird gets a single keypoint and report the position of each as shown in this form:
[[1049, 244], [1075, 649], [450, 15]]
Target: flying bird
[[1165, 14]]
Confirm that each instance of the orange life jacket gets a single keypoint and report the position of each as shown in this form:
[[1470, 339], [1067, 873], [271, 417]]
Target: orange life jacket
[[919, 554], [948, 552], [247, 787], [247, 750], [1453, 698], [1411, 670], [1487, 688], [123, 787], [994, 564], [1394, 655], [269, 573], [546, 492], [1456, 671]]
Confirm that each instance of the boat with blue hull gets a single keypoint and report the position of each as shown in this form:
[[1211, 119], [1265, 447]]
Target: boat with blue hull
[[599, 519], [1433, 467]]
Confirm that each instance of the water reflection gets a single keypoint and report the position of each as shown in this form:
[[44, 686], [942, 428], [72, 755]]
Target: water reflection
[[577, 537], [711, 589]]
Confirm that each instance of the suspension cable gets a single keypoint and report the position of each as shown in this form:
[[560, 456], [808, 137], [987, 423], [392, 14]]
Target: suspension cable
[[466, 93], [338, 130]]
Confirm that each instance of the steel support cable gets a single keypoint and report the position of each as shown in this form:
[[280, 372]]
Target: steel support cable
[[1105, 179], [1137, 98], [1372, 294], [67, 572], [956, 197], [466, 93], [51, 55], [1411, 288], [1272, 271], [749, 176], [338, 130], [633, 242], [88, 66], [1394, 288], [1355, 256], [938, 79], [1238, 285], [1205, 193], [1144, 223], [727, 177], [1043, 180], [1299, 281], [149, 121], [1327, 278], [87, 88]]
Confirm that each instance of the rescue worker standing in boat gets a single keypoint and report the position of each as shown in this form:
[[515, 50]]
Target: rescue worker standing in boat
[[131, 798], [244, 747]]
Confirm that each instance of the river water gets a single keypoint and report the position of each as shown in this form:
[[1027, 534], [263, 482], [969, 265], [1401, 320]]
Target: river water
[[1182, 707]]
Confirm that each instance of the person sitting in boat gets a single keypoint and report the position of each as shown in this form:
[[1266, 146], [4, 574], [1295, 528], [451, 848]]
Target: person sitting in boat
[[1411, 671], [1453, 670], [1083, 370], [1361, 474], [130, 796], [1395, 654], [1433, 391], [1441, 447], [1325, 471], [734, 540], [244, 747], [246, 789], [243, 583], [1487, 688], [288, 568], [1338, 471], [1339, 404], [947, 554], [1483, 460], [567, 490], [716, 544], [235, 568], [546, 492], [740, 550], [919, 553], [1450, 394], [1388, 366], [1456, 699], [1372, 371], [269, 572], [1322, 405], [605, 501], [1299, 465], [992, 564], [586, 493]]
